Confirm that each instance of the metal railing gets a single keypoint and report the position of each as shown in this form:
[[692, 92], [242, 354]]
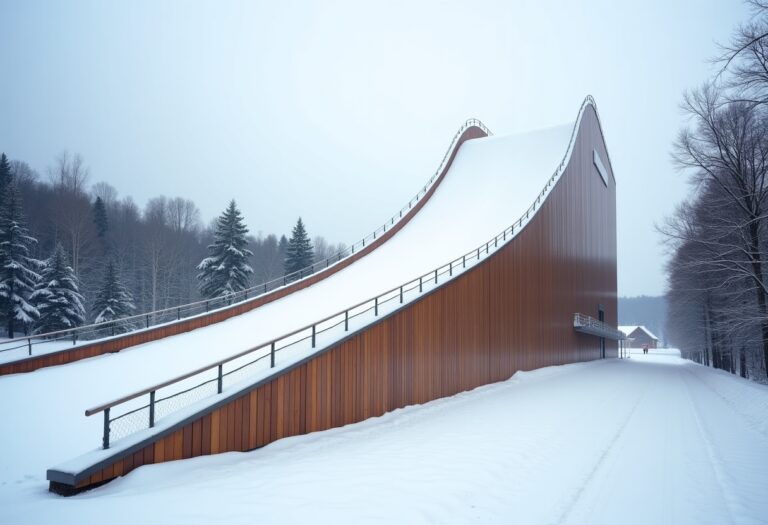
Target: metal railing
[[96, 331], [212, 379], [590, 325]]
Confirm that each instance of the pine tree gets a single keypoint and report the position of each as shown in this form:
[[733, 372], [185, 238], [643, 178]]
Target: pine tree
[[57, 295], [100, 218], [113, 301], [282, 248], [6, 176], [18, 273], [226, 271], [299, 253]]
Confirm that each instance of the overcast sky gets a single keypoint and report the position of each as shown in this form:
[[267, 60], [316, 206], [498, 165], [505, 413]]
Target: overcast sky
[[340, 111]]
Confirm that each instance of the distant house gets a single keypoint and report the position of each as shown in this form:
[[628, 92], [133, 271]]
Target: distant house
[[639, 336]]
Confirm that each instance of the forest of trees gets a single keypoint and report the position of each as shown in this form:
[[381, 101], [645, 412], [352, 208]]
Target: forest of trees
[[73, 253], [718, 285]]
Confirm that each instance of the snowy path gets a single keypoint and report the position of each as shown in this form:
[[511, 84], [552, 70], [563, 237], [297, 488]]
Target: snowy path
[[654, 439]]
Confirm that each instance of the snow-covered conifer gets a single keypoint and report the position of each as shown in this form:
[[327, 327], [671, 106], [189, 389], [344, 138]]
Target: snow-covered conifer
[[6, 176], [57, 295], [226, 271], [299, 253], [18, 270], [113, 301]]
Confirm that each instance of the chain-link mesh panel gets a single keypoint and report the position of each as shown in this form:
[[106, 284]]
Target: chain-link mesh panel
[[129, 423], [247, 370], [175, 402]]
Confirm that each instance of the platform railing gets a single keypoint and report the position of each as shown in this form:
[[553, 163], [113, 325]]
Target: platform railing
[[590, 325], [95, 331], [212, 379]]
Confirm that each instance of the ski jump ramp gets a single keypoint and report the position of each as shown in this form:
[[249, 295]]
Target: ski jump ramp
[[510, 264]]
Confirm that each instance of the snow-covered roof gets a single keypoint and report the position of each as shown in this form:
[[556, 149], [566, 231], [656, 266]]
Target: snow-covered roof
[[628, 329]]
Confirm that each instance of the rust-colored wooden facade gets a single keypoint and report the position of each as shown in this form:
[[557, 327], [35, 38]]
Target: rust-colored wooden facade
[[118, 343], [514, 311]]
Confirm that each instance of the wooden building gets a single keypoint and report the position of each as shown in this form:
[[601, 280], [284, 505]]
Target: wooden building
[[640, 337], [545, 296]]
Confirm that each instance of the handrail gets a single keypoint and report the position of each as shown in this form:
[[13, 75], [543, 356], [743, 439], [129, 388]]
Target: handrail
[[597, 327], [242, 296], [458, 263]]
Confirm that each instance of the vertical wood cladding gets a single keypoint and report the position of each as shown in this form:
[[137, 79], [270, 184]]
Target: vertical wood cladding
[[153, 334], [514, 311]]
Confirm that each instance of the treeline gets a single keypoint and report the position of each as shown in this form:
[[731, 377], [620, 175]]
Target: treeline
[[718, 291], [73, 253]]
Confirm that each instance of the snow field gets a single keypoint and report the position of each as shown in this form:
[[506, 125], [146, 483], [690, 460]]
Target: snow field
[[646, 440]]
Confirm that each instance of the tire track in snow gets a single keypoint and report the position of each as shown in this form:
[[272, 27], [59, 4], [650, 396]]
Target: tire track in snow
[[600, 461], [728, 497]]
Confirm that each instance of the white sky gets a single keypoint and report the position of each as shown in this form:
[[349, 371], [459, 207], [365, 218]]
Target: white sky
[[340, 111]]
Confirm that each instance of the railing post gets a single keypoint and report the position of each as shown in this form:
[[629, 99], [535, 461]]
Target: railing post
[[464, 261], [206, 306], [495, 242], [246, 293], [146, 321], [346, 320], [152, 409], [113, 329], [105, 438], [220, 379], [401, 295], [419, 284], [284, 278], [272, 355], [486, 248], [178, 313], [74, 338], [376, 306], [435, 275], [29, 344], [265, 287], [478, 254], [313, 336], [450, 269]]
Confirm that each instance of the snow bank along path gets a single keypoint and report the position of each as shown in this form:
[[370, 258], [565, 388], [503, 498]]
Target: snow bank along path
[[652, 439]]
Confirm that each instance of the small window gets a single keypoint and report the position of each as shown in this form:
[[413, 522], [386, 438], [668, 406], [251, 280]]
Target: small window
[[600, 166]]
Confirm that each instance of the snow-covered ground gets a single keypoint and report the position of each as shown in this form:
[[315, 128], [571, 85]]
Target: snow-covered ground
[[652, 439]]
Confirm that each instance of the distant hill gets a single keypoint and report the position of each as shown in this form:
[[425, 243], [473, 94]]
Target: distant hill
[[645, 310]]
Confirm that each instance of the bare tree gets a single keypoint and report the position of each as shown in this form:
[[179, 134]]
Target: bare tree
[[182, 215], [23, 174], [69, 174], [106, 192], [725, 149]]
